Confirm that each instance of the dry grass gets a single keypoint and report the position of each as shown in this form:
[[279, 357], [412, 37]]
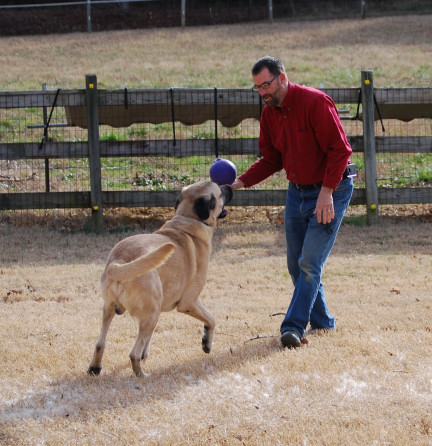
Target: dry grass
[[368, 383], [332, 52]]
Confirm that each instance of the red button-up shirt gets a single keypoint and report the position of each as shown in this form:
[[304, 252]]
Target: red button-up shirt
[[305, 137]]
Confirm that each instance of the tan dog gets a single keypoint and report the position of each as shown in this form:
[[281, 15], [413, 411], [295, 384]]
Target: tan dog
[[149, 273]]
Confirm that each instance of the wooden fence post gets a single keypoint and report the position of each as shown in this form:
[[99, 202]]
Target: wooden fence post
[[367, 91], [94, 152]]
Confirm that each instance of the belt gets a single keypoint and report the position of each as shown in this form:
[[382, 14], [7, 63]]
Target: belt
[[346, 174], [307, 186]]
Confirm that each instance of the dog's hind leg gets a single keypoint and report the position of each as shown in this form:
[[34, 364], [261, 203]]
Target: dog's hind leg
[[199, 311], [146, 352], [96, 365], [142, 344]]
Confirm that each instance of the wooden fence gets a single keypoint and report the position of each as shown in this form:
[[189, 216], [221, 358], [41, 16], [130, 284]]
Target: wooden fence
[[92, 107]]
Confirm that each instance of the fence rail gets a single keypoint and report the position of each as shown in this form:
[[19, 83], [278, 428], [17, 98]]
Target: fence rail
[[91, 109]]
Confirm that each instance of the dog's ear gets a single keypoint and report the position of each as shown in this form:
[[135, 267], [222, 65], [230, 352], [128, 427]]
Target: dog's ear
[[178, 199], [203, 205]]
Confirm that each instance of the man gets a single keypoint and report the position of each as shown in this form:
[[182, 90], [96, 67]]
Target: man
[[301, 132]]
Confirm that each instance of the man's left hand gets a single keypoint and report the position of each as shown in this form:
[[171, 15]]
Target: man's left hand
[[324, 208]]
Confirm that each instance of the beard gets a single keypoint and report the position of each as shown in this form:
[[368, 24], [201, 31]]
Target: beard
[[270, 100], [277, 97]]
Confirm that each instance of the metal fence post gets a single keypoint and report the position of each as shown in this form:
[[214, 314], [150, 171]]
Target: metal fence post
[[94, 152], [183, 13], [369, 146], [89, 21], [45, 120], [216, 123], [362, 9], [270, 10]]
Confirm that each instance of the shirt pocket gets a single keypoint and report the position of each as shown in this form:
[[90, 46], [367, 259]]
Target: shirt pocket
[[303, 139]]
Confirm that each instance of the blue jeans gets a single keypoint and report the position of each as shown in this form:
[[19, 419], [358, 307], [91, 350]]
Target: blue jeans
[[308, 246]]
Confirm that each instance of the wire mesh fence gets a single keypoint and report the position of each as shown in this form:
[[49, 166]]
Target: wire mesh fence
[[23, 131], [409, 168], [158, 141]]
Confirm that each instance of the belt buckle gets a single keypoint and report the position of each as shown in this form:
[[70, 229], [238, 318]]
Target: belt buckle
[[298, 186], [304, 187]]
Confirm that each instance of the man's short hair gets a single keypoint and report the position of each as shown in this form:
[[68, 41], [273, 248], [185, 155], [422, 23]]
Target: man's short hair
[[273, 64]]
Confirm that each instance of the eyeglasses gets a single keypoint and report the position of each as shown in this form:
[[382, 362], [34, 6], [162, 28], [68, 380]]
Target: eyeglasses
[[264, 85]]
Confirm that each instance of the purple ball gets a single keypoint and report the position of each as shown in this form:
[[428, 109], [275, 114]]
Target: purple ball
[[223, 171]]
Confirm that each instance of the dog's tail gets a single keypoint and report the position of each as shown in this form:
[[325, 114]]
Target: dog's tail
[[124, 272]]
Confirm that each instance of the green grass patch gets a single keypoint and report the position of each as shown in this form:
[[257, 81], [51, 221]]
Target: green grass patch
[[111, 136], [355, 220]]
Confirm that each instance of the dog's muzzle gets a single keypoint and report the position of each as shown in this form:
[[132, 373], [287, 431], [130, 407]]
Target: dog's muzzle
[[223, 214], [227, 194]]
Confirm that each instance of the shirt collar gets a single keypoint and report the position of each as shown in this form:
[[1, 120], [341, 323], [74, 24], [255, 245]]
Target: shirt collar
[[288, 101], [289, 98]]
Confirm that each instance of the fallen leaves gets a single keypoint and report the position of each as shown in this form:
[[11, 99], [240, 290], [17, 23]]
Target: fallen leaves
[[29, 294], [275, 217], [14, 295]]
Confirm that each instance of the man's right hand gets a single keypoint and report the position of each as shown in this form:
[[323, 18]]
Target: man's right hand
[[237, 184]]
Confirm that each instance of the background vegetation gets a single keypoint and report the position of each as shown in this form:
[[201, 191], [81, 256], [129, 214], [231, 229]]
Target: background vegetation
[[327, 52]]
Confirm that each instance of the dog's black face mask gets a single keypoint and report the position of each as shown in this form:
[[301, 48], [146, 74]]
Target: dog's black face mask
[[227, 194], [203, 205]]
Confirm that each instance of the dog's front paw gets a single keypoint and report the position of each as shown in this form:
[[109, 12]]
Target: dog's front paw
[[94, 370], [206, 348], [206, 341]]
